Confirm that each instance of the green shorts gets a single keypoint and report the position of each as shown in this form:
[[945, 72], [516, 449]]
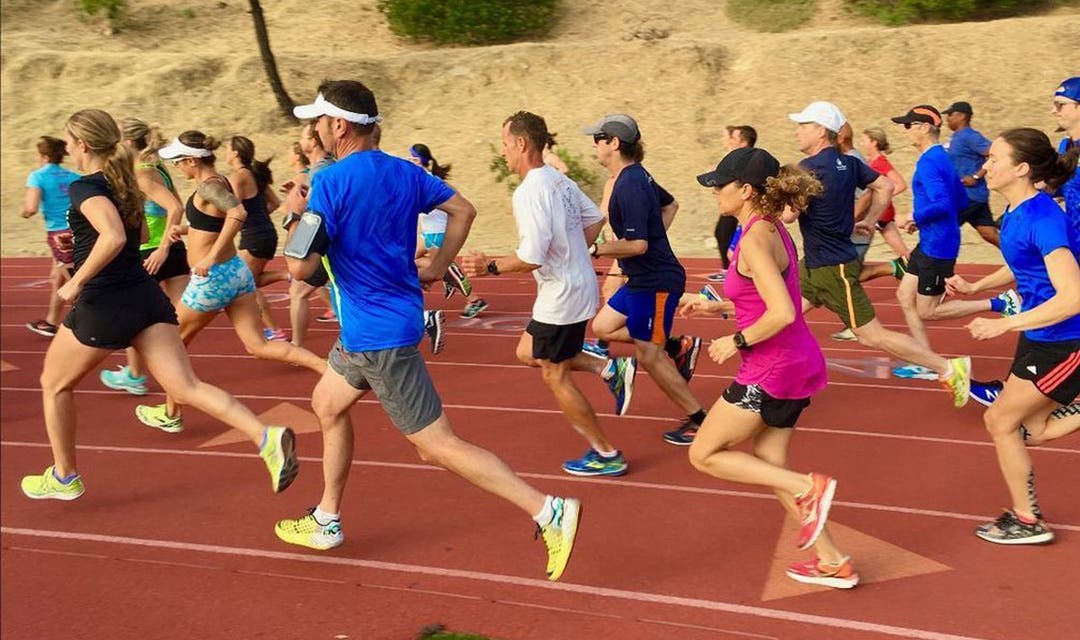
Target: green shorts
[[836, 287]]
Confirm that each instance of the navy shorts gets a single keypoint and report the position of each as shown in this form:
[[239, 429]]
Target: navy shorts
[[649, 314], [977, 215]]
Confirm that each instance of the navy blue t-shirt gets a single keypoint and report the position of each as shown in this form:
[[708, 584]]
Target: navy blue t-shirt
[[829, 219], [1070, 191], [634, 213]]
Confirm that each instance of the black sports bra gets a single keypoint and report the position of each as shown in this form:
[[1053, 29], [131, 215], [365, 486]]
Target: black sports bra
[[203, 221]]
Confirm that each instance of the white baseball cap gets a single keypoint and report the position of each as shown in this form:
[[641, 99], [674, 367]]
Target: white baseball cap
[[824, 113]]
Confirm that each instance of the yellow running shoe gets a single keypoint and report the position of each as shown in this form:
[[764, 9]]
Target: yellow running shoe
[[559, 535], [279, 453], [308, 532], [959, 380], [157, 416], [48, 487]]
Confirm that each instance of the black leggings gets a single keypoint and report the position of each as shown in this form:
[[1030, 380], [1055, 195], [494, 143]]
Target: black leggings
[[725, 231]]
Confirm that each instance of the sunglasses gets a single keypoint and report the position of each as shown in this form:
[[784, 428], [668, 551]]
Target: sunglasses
[[600, 137]]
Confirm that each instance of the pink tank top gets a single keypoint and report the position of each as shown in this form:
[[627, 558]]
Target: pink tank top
[[790, 364]]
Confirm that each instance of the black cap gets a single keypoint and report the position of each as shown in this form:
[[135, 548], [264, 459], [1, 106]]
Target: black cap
[[959, 107], [749, 165], [920, 113]]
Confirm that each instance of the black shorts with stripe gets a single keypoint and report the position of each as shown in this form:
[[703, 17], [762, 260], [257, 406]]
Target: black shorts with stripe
[[1053, 367]]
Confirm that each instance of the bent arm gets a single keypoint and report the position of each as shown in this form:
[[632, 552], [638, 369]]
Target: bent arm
[[1064, 274]]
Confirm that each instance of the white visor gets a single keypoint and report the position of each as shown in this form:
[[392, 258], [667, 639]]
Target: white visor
[[322, 107], [177, 149]]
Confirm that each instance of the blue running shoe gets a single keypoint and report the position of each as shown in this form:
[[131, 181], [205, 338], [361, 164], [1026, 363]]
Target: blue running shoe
[[710, 293], [594, 464], [986, 392], [619, 376], [594, 349], [683, 436]]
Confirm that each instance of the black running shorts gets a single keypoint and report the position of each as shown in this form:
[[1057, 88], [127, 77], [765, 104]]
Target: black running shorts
[[555, 342], [1053, 367]]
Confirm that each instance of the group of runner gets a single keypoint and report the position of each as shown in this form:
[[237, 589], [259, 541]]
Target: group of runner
[[353, 220]]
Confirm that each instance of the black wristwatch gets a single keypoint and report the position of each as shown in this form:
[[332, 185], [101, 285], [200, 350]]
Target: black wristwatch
[[740, 341], [594, 250], [290, 218], [493, 268]]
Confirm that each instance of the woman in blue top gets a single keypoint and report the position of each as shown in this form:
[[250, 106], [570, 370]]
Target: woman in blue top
[[47, 191], [1041, 251]]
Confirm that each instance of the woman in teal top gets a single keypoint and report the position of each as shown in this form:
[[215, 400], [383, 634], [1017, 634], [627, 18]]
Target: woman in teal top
[[47, 191], [164, 254]]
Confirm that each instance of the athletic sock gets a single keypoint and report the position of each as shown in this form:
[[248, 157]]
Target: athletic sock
[[1025, 519], [547, 512], [697, 418], [673, 345], [609, 369], [323, 517], [266, 435], [65, 480], [608, 455], [997, 305]]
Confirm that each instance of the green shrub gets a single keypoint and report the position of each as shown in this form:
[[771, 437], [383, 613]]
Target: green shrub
[[469, 21], [114, 9], [576, 171], [773, 17], [896, 12]]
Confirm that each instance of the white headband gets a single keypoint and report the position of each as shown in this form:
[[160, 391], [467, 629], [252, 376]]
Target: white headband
[[177, 149], [323, 107]]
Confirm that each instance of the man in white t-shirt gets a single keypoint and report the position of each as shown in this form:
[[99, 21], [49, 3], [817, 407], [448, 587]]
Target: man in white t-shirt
[[556, 224]]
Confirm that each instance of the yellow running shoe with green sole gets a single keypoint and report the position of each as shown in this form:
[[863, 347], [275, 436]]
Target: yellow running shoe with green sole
[[959, 380], [157, 416], [279, 453], [308, 532], [48, 487], [559, 535]]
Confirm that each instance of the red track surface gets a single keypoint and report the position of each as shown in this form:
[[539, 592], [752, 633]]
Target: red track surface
[[175, 540]]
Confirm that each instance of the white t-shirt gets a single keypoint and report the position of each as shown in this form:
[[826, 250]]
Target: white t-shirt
[[551, 214], [433, 221]]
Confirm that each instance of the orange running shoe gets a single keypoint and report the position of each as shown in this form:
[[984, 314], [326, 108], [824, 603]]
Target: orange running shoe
[[839, 576], [814, 508]]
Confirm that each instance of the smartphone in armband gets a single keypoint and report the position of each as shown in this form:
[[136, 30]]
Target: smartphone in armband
[[299, 244]]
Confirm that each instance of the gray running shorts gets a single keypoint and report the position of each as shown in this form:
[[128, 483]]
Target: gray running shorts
[[400, 379]]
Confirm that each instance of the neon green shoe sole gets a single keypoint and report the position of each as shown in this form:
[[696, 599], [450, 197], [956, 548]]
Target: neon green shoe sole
[[307, 532], [279, 453], [560, 534], [47, 487]]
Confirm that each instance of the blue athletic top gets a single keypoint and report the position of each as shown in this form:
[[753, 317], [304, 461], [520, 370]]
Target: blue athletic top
[[967, 151], [1071, 189], [53, 181], [938, 197], [370, 202], [1028, 233], [829, 219], [634, 211]]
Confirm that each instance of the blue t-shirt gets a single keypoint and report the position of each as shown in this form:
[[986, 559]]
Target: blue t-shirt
[[634, 213], [938, 197], [967, 150], [370, 202], [1070, 191], [829, 219], [53, 180], [1028, 233]]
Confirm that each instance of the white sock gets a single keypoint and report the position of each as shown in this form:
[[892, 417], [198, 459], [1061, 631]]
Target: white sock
[[608, 454], [323, 517], [609, 369], [547, 513]]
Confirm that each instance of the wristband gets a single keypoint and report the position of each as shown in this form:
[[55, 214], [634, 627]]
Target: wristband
[[493, 268], [594, 250]]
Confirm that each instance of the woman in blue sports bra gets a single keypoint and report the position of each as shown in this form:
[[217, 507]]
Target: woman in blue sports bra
[[220, 281], [251, 180]]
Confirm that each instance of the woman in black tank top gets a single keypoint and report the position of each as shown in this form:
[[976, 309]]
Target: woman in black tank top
[[251, 180], [118, 304]]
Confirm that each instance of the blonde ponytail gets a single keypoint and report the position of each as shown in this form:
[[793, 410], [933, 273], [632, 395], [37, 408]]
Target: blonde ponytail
[[102, 137]]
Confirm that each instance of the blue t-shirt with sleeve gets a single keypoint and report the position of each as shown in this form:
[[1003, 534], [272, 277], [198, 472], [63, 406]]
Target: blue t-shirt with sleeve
[[370, 202], [938, 197], [1070, 191], [967, 151], [829, 219], [53, 181], [1030, 232], [634, 213]]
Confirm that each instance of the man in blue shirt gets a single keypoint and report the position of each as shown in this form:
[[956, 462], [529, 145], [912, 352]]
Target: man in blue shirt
[[365, 207], [829, 270], [642, 310], [967, 151]]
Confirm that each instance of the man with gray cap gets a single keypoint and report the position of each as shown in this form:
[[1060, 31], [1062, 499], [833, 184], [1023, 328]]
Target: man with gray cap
[[829, 270], [642, 310], [968, 150]]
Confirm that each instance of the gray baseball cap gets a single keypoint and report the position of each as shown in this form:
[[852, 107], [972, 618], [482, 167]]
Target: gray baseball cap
[[616, 125]]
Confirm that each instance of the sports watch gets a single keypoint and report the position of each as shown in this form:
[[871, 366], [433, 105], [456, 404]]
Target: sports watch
[[740, 341], [493, 268]]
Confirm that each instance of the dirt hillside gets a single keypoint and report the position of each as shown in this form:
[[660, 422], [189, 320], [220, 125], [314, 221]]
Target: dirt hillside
[[684, 70]]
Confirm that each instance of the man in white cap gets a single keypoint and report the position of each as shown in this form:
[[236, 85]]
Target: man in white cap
[[362, 217], [829, 270]]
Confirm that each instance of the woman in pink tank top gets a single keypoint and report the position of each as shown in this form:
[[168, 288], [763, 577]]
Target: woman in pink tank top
[[782, 365]]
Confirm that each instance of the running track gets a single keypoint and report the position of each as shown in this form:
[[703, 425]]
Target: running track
[[174, 537]]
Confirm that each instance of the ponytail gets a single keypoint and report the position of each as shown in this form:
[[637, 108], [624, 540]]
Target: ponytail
[[1033, 147], [102, 137], [422, 153], [245, 151]]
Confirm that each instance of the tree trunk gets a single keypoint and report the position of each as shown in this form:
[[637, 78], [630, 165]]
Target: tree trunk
[[284, 101]]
